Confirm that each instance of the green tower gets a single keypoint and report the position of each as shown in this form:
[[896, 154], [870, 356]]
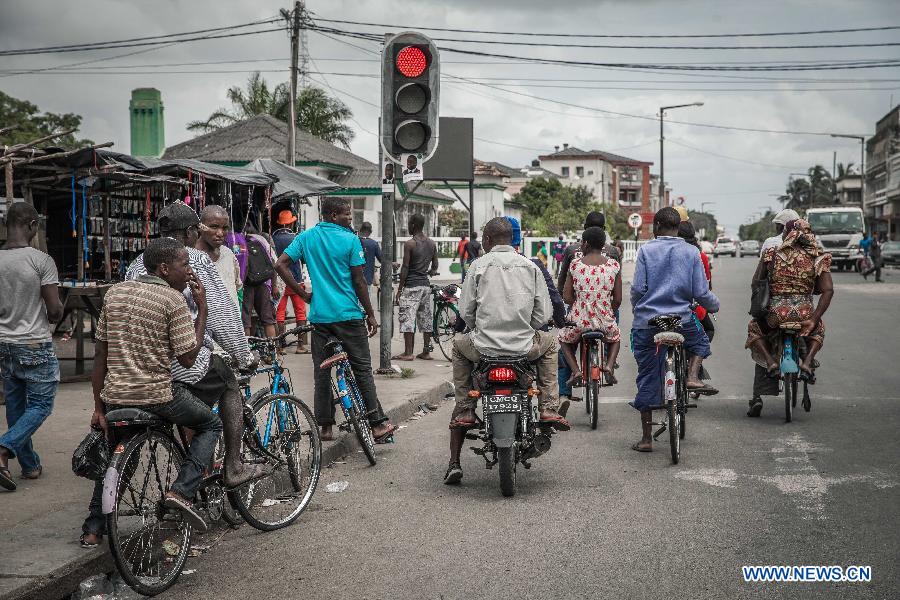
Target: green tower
[[148, 137]]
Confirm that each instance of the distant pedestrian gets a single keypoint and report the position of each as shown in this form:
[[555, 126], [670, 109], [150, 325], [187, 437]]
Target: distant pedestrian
[[559, 250], [282, 238], [420, 261], [473, 249], [260, 284], [30, 371], [461, 255], [541, 253], [372, 250], [865, 244], [877, 260]]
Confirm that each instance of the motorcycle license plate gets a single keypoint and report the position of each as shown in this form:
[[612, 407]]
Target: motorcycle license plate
[[502, 404]]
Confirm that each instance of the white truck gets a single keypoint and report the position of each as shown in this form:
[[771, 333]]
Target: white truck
[[839, 230]]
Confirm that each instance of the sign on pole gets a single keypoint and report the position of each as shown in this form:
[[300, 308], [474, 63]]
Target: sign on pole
[[635, 220]]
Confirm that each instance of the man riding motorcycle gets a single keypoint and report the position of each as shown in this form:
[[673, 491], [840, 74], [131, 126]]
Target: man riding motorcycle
[[505, 305]]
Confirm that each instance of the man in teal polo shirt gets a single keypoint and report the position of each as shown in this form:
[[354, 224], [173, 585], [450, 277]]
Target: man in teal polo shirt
[[339, 307]]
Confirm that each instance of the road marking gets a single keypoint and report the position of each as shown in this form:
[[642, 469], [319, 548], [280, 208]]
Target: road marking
[[796, 476], [712, 399]]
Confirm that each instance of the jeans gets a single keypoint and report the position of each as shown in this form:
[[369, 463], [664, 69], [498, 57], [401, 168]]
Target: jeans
[[30, 378], [184, 409], [355, 340], [651, 361], [563, 373]]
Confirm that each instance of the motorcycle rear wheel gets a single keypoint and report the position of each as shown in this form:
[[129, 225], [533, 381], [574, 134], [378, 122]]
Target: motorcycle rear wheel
[[506, 457]]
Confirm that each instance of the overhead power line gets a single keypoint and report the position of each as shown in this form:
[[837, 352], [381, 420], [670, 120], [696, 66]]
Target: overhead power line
[[615, 36]]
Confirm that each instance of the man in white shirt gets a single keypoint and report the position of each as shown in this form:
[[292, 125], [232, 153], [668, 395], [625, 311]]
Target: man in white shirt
[[214, 224], [505, 304], [779, 221]]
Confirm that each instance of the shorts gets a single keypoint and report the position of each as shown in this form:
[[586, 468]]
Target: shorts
[[416, 307], [651, 360], [258, 297], [296, 301], [219, 379]]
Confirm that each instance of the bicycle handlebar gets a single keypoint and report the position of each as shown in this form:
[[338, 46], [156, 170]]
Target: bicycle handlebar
[[258, 341]]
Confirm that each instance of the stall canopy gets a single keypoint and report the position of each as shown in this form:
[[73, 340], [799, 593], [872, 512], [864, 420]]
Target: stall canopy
[[146, 165], [292, 183]]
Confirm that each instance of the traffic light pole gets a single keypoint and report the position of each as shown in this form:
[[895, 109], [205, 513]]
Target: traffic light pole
[[386, 282]]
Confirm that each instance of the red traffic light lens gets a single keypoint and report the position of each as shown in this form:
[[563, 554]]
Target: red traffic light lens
[[411, 61]]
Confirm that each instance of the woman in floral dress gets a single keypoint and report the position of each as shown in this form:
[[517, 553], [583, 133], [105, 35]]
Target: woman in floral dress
[[796, 271], [594, 291]]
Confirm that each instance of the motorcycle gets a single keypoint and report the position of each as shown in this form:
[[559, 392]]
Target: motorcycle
[[509, 427]]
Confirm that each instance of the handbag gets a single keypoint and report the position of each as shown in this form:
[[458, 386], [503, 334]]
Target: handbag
[[91, 457], [759, 298]]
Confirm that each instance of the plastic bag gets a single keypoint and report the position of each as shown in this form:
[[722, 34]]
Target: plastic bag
[[91, 457]]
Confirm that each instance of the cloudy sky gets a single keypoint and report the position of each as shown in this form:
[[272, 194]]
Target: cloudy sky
[[520, 109]]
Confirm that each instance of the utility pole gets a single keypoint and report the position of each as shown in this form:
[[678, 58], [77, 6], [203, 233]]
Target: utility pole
[[295, 52], [662, 177]]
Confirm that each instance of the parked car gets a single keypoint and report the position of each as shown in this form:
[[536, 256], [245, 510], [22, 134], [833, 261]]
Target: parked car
[[725, 245], [890, 252], [749, 248]]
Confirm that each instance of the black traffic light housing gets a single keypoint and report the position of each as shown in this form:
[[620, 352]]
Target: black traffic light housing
[[410, 95]]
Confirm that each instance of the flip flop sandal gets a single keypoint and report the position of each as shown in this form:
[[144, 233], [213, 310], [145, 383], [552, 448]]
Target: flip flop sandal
[[559, 424], [453, 475], [637, 448], [34, 474], [188, 511], [707, 390], [382, 439], [6, 481], [86, 545], [257, 477]]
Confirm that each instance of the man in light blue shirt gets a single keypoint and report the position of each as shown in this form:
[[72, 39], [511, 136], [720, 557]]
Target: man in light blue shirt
[[668, 277], [339, 306]]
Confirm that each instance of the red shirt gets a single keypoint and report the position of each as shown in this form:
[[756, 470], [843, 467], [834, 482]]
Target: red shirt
[[700, 311], [461, 248]]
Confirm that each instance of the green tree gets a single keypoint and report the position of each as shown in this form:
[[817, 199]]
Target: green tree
[[844, 170], [816, 190], [758, 230], [31, 124], [705, 222], [455, 219], [552, 209], [317, 112]]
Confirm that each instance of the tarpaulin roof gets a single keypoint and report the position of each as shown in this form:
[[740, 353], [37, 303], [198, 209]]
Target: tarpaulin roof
[[291, 181], [148, 165]]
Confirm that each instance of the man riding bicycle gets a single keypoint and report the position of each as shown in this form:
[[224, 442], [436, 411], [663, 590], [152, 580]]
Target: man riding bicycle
[[145, 325], [505, 304], [668, 278]]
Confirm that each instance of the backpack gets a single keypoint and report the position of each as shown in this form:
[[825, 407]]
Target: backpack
[[259, 265]]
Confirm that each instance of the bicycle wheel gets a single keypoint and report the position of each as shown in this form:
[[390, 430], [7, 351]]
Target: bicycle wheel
[[789, 387], [592, 385], [149, 543], [672, 413], [444, 318], [585, 374], [284, 438], [682, 397], [359, 418], [227, 510]]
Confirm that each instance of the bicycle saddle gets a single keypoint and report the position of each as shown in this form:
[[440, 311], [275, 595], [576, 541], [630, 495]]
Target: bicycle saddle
[[132, 415], [666, 322], [331, 361], [668, 338], [593, 335], [791, 325]]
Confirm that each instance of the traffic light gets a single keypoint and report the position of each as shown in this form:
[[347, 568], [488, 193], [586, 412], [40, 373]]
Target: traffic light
[[410, 93]]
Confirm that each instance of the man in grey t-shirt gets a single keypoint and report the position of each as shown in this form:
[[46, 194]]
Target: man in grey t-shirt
[[420, 260], [30, 371]]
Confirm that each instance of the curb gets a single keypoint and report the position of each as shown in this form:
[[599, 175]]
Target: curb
[[61, 582]]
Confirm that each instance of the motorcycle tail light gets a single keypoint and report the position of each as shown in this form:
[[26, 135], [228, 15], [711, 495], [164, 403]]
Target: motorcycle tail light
[[502, 374]]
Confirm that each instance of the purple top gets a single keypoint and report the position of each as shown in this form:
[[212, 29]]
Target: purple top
[[238, 244]]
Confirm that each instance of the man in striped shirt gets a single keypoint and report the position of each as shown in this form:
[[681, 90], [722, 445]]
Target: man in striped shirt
[[210, 379], [145, 325]]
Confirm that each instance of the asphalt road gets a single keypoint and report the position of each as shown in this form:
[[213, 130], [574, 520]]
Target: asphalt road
[[593, 519]]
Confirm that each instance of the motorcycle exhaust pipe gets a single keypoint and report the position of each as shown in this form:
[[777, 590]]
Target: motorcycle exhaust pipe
[[540, 445]]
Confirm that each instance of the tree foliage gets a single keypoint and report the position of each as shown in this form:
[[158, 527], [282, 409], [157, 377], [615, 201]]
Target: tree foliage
[[758, 230], [31, 124], [455, 219], [817, 189], [551, 208], [317, 112], [704, 222]]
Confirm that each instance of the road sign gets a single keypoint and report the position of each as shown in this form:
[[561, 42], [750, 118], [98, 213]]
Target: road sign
[[635, 220]]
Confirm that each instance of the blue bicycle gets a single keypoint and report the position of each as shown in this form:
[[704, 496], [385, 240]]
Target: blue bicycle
[[347, 396], [281, 434], [789, 366]]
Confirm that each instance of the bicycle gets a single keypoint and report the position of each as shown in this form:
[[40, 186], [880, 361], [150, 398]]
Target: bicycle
[[792, 350], [445, 316], [593, 356], [674, 380], [347, 396], [150, 543]]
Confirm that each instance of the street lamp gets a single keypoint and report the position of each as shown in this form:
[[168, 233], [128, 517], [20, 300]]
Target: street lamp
[[662, 179], [862, 163], [702, 204]]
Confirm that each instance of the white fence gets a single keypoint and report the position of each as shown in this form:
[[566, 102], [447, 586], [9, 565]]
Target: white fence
[[448, 264]]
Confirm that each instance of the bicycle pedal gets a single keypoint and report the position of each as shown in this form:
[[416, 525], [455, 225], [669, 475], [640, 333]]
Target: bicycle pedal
[[344, 427]]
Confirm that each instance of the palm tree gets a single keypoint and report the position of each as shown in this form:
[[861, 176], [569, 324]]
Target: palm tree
[[844, 170], [796, 195], [317, 113]]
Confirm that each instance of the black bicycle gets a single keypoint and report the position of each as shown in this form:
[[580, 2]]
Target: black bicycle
[[593, 355], [445, 316], [674, 398]]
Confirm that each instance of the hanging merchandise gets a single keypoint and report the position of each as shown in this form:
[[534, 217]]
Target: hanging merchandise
[[147, 216], [85, 252], [269, 207]]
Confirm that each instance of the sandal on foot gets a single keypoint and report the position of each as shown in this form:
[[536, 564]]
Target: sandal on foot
[[557, 422], [190, 514], [88, 545], [6, 481], [706, 390], [755, 409], [424, 356], [637, 447], [258, 473], [381, 439], [33, 474]]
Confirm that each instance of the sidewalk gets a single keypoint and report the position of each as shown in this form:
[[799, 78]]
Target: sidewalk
[[42, 520]]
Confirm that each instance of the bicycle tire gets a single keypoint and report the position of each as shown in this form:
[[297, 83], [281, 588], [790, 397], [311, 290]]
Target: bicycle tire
[[674, 416], [682, 397], [788, 403], [592, 385], [359, 418], [507, 462], [795, 384], [443, 328], [229, 512], [129, 465], [270, 492]]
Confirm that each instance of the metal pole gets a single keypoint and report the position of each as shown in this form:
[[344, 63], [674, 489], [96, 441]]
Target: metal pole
[[295, 49], [471, 208], [662, 179], [862, 175], [9, 186], [386, 282]]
